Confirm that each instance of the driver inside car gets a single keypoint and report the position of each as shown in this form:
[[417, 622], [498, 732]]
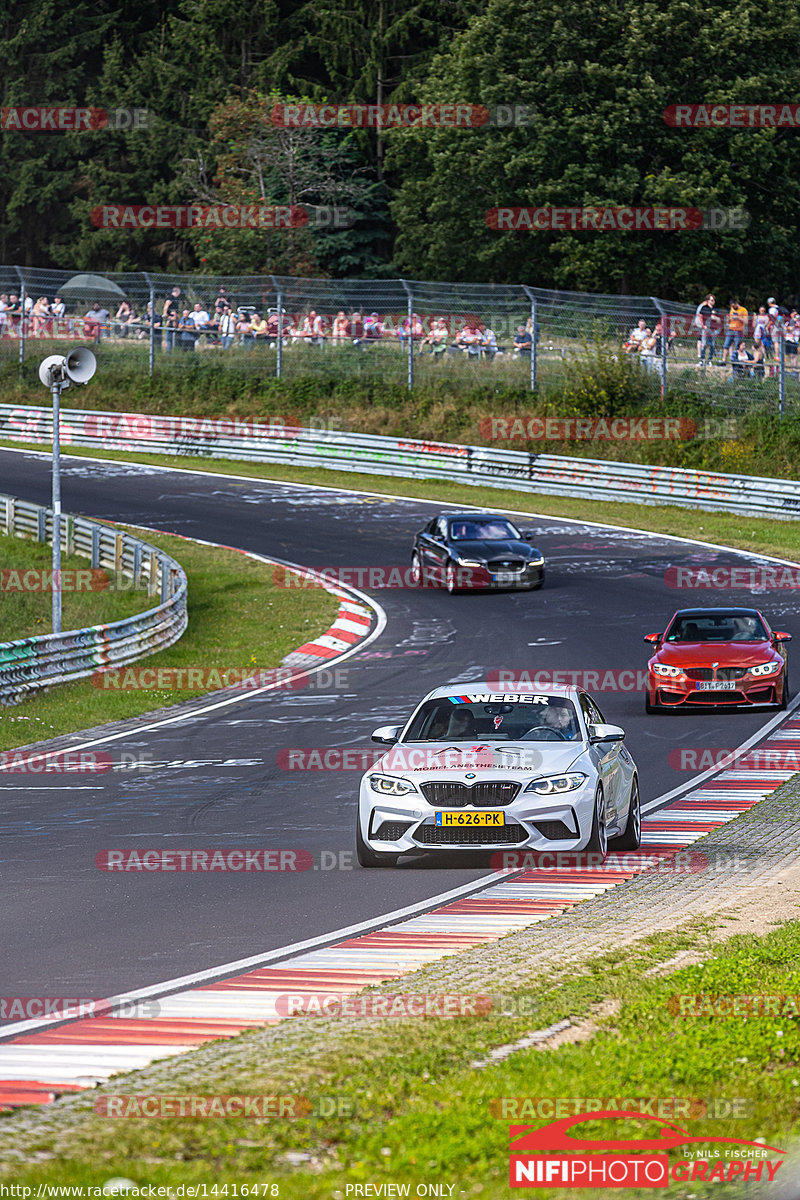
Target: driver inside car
[[462, 724], [559, 718]]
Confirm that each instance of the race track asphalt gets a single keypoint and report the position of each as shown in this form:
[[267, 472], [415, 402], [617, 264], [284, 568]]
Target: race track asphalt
[[68, 929]]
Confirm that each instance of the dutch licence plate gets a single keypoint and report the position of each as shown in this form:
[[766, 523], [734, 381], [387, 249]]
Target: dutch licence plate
[[716, 685], [505, 577], [470, 818]]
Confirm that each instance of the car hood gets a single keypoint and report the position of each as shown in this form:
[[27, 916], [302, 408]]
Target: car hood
[[481, 548], [456, 760], [704, 654]]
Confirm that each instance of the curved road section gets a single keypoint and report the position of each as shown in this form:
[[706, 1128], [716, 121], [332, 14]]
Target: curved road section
[[247, 777]]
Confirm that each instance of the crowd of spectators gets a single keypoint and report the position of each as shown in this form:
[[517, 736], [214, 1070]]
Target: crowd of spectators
[[733, 330], [179, 325]]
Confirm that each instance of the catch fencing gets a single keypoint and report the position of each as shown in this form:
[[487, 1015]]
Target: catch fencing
[[38, 662], [404, 332], [274, 441]]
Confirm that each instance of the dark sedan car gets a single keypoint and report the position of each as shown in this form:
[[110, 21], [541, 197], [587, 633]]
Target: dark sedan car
[[466, 551]]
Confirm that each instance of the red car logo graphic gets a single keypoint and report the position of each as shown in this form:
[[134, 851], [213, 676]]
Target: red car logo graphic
[[527, 1139]]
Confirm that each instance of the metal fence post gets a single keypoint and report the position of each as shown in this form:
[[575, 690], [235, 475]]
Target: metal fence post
[[22, 298], [279, 343], [781, 371], [532, 299], [410, 295], [152, 349]]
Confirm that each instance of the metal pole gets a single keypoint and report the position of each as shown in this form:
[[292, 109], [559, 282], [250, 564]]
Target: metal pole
[[782, 372], [55, 388], [152, 348], [533, 344], [410, 294], [22, 327], [279, 343]]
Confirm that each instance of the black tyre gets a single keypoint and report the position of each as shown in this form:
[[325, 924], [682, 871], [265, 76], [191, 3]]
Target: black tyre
[[599, 839], [416, 570], [367, 857], [451, 578], [648, 707], [784, 701], [631, 839]]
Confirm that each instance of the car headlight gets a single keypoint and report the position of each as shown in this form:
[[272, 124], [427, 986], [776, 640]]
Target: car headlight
[[470, 562], [388, 785], [536, 562], [663, 669], [767, 668], [553, 784]]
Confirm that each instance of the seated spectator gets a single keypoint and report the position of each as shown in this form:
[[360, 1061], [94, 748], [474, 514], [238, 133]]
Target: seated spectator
[[40, 313], [741, 356], [58, 311], [469, 339], [523, 341], [259, 328], [356, 327], [14, 314], [4, 307], [436, 339], [200, 318], [489, 343], [146, 321], [243, 328], [635, 338], [188, 332], [123, 319], [339, 330], [373, 327], [94, 321]]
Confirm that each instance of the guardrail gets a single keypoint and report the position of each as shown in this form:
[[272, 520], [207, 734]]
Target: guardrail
[[40, 661], [277, 442]]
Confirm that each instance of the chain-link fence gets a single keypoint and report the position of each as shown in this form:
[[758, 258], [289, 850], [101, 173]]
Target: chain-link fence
[[405, 332]]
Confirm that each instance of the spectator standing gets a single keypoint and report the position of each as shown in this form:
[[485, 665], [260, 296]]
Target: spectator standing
[[738, 317], [339, 330], [227, 328], [259, 328], [171, 317], [123, 319], [706, 337]]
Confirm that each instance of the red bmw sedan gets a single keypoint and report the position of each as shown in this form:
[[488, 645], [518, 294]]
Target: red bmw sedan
[[717, 656]]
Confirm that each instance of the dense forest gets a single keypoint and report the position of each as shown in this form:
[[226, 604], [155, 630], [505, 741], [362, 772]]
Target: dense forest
[[593, 79]]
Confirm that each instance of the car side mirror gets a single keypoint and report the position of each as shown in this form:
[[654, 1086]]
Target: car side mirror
[[606, 733], [653, 638], [387, 735], [781, 637], [528, 535]]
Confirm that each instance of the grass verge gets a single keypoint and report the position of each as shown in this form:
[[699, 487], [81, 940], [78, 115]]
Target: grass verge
[[27, 612], [411, 1107], [239, 620]]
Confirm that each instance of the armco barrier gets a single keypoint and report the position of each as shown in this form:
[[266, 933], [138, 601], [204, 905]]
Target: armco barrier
[[40, 661], [234, 438]]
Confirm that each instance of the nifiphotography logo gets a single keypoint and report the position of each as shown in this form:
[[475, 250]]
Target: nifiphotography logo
[[633, 1162]]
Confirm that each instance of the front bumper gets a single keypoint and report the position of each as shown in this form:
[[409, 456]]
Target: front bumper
[[747, 692], [398, 825]]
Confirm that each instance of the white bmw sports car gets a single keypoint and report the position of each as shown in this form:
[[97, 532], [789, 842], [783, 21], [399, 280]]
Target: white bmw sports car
[[475, 769]]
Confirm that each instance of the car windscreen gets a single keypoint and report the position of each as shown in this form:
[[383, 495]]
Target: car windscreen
[[480, 530], [716, 627], [472, 718]]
